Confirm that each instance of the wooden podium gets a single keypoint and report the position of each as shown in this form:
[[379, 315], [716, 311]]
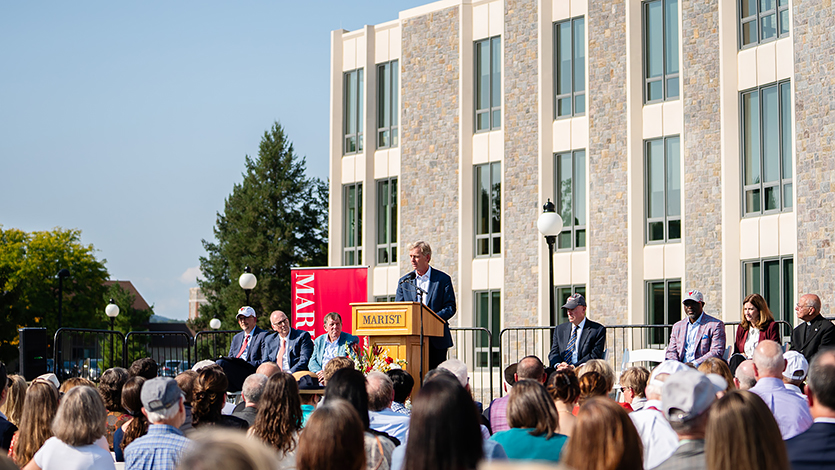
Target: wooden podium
[[396, 327]]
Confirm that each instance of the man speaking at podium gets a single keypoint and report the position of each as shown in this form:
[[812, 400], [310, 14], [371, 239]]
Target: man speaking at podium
[[439, 296]]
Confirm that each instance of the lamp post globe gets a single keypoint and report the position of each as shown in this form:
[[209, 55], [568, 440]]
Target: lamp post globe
[[549, 225], [214, 323], [112, 311], [247, 281]]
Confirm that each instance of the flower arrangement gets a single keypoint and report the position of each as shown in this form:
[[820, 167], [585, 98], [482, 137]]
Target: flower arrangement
[[367, 358]]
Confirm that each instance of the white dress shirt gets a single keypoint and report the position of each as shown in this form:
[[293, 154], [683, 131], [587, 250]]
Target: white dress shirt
[[423, 283], [575, 354]]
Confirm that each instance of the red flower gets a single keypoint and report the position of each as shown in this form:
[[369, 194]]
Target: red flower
[[368, 369], [389, 360]]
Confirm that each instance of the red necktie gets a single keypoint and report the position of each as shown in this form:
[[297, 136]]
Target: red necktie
[[243, 346]]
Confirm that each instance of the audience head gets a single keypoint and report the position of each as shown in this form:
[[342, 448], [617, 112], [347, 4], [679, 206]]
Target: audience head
[[820, 387], [132, 403], [403, 384], [714, 365], [530, 367], [40, 406], [162, 402], [438, 372], [279, 413], [185, 380], [309, 387], [337, 423], [592, 384], [268, 368], [444, 431], [110, 387], [686, 400], [380, 391], [659, 375], [768, 360], [563, 386], [253, 388], [339, 362], [796, 368], [349, 385], [229, 450], [742, 433], [145, 367], [13, 406], [459, 370], [510, 375], [755, 312], [73, 382], [81, 417], [530, 406], [209, 395], [603, 438], [601, 367], [744, 377], [633, 382]]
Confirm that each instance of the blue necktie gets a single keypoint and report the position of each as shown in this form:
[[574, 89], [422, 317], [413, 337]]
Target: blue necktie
[[572, 343]]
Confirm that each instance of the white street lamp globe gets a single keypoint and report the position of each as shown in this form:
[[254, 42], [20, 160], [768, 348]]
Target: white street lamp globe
[[247, 281], [214, 323], [549, 224], [112, 310]]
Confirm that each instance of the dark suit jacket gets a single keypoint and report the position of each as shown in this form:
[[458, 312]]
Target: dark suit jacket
[[772, 332], [248, 414], [441, 299], [813, 449], [591, 346], [690, 455], [257, 346], [822, 335], [7, 430], [299, 349]]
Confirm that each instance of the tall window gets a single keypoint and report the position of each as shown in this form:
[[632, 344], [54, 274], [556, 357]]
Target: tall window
[[353, 111], [661, 80], [663, 308], [762, 21], [767, 149], [488, 84], [352, 224], [387, 110], [570, 68], [387, 221], [570, 188], [562, 295], [663, 191], [487, 315], [488, 209], [772, 278]]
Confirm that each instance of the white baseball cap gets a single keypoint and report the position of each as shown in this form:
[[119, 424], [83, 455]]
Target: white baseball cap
[[245, 312]]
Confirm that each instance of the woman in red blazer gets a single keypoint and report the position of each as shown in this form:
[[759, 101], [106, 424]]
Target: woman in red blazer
[[758, 320]]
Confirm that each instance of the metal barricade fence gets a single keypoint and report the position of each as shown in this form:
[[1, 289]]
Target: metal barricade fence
[[79, 352], [170, 349], [212, 344], [474, 347]]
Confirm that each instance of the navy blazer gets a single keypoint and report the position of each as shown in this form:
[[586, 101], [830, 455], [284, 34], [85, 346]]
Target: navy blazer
[[592, 343], [441, 299], [812, 449], [822, 335], [257, 346], [299, 349], [7, 430]]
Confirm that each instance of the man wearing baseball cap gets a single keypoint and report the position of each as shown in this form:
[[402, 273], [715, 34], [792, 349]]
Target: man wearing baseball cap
[[685, 401], [580, 339], [248, 350], [162, 446], [796, 369], [698, 336]]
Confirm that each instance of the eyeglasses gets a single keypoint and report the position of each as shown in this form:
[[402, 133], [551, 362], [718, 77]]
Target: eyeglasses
[[286, 320]]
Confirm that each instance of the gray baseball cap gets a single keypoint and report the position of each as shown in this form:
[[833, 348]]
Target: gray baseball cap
[[574, 301], [160, 393], [686, 395]]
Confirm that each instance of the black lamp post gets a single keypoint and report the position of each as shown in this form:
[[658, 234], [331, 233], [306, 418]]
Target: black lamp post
[[550, 225], [112, 311], [214, 324], [247, 282], [62, 274]]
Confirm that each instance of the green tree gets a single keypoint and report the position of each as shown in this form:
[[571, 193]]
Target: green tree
[[274, 220], [29, 263]]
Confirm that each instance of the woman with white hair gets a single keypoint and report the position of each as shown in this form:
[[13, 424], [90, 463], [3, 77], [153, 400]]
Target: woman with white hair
[[79, 423]]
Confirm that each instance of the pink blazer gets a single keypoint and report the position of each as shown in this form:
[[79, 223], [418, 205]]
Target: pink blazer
[[710, 342]]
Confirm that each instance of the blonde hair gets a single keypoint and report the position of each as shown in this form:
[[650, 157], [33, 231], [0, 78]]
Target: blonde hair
[[714, 365], [635, 378], [73, 382], [603, 438], [424, 248], [13, 407], [601, 367], [227, 449], [81, 417], [39, 410], [530, 406]]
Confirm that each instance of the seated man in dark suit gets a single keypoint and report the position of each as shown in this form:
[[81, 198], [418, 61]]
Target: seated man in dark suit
[[289, 348], [579, 340], [815, 332], [247, 352], [7, 429], [815, 447]]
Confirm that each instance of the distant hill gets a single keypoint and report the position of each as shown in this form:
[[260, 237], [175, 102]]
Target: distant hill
[[160, 319]]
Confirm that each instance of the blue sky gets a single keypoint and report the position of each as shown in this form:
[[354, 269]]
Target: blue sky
[[130, 120]]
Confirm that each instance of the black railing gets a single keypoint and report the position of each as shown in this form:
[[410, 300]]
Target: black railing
[[79, 352], [474, 346], [170, 349], [212, 344]]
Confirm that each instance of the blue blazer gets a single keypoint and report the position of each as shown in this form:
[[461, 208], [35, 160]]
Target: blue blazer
[[592, 343], [813, 448], [441, 299], [257, 346], [299, 349], [319, 348]]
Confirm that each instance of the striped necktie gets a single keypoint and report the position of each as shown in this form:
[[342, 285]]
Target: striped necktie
[[572, 344]]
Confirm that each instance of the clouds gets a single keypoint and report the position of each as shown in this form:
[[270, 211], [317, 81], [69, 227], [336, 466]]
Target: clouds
[[191, 275]]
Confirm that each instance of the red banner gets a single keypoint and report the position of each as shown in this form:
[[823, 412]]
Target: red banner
[[319, 291]]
